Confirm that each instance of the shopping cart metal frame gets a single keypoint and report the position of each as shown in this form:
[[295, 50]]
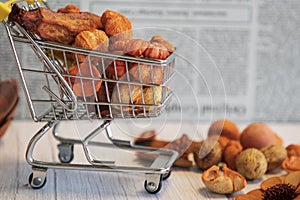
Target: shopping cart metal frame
[[65, 105]]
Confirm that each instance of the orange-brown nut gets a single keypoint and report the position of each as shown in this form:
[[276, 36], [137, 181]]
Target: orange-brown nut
[[146, 73], [152, 96], [136, 47], [94, 40], [82, 86], [69, 9], [125, 94], [231, 152], [257, 135], [161, 40], [156, 51], [226, 128], [116, 25], [118, 45], [116, 70], [223, 141], [227, 183]]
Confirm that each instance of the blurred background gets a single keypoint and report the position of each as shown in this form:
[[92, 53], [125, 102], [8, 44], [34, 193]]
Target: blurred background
[[237, 59]]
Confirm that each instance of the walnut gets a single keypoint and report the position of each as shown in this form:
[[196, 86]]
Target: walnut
[[251, 163], [275, 155]]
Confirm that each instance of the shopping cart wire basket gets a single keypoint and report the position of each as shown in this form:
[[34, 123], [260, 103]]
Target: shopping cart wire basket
[[86, 95]]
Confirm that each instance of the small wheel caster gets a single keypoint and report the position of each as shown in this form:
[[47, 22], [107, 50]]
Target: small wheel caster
[[36, 182], [167, 175], [66, 152], [152, 187]]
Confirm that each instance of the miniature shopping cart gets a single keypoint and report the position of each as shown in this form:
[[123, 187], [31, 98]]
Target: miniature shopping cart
[[57, 102]]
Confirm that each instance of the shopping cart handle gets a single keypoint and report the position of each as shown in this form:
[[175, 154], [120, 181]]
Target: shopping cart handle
[[5, 7]]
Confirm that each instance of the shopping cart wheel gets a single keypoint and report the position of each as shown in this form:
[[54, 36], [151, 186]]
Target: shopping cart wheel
[[153, 187], [66, 152], [37, 179], [167, 175]]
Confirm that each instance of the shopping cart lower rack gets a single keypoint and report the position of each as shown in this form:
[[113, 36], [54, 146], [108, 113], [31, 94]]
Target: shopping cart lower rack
[[97, 98]]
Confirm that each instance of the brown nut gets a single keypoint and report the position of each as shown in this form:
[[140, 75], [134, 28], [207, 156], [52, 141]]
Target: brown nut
[[146, 73], [136, 47], [156, 51], [207, 154], [125, 94], [231, 152], [161, 40], [251, 163], [94, 40], [257, 135], [275, 155], [82, 86], [70, 8], [116, 26], [223, 141], [227, 183], [224, 127]]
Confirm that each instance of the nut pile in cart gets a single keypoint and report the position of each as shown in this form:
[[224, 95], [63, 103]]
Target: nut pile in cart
[[109, 33]]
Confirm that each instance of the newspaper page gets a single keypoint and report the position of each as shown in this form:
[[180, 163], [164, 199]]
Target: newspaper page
[[234, 58]]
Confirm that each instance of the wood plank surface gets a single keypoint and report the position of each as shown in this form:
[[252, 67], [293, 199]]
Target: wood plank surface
[[74, 184]]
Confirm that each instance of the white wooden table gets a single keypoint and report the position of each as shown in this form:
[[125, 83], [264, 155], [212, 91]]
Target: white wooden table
[[72, 184]]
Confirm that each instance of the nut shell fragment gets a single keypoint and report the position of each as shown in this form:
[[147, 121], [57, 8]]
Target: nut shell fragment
[[227, 183]]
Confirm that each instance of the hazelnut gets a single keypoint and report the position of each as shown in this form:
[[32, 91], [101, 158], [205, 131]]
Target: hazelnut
[[207, 153], [251, 163], [257, 135], [224, 127], [223, 141], [275, 155], [231, 152]]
